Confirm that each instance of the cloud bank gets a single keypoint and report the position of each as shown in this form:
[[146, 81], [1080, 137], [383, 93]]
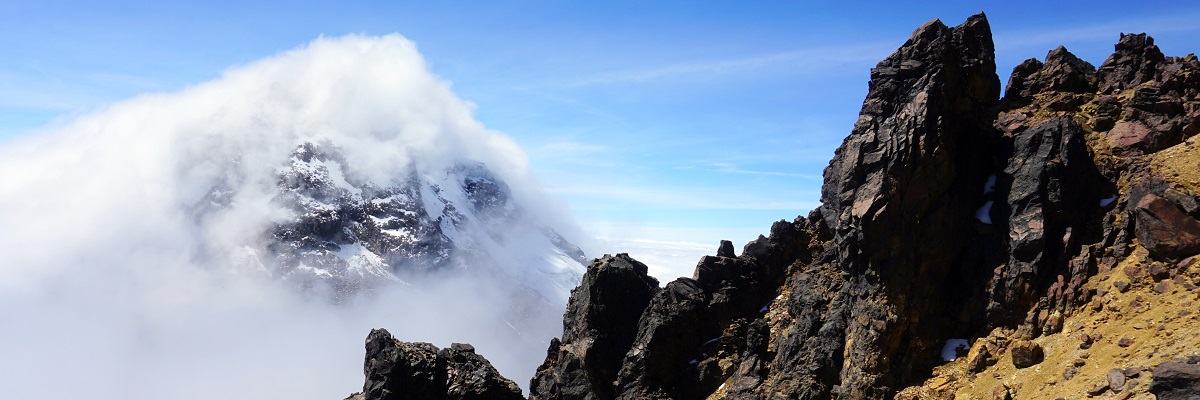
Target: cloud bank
[[112, 288]]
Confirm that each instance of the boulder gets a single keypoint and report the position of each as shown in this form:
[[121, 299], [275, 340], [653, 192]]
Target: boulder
[[1166, 230], [1026, 354], [1116, 380], [1176, 381], [982, 355]]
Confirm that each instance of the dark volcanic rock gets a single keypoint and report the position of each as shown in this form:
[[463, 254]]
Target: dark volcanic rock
[[1158, 95], [667, 335], [946, 213], [1176, 381], [398, 370], [1051, 187], [1135, 61], [694, 323], [1166, 230], [1062, 72], [726, 249], [470, 376], [598, 329], [900, 195], [1026, 354]]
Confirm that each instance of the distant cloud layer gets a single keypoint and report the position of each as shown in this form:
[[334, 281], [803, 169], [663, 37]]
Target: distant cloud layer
[[112, 288]]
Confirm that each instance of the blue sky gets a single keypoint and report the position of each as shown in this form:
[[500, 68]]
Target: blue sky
[[659, 124]]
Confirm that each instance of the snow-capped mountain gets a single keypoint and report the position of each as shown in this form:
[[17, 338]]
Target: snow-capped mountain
[[344, 233], [226, 214]]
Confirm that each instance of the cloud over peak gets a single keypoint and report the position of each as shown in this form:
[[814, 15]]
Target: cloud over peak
[[109, 266]]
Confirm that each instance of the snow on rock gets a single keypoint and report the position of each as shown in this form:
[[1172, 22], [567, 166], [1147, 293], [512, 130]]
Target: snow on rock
[[351, 232], [984, 213], [952, 348]]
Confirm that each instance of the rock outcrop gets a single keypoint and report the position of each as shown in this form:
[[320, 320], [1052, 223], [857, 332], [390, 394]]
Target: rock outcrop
[[947, 213], [599, 327], [398, 370]]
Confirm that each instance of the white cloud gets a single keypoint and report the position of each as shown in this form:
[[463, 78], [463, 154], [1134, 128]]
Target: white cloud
[[112, 288], [665, 260]]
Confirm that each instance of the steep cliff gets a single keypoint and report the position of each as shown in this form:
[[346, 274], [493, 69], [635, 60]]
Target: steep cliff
[[954, 224]]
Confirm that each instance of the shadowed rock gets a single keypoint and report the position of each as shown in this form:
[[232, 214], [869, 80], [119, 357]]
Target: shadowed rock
[[1166, 230], [398, 370], [726, 249], [899, 196], [598, 329], [1136, 60], [1176, 381], [1062, 72]]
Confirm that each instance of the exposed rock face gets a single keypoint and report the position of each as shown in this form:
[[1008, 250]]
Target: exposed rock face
[[598, 329], [398, 370], [624, 337], [1135, 61], [899, 196], [699, 331], [1062, 72], [1176, 381], [947, 213], [1052, 189]]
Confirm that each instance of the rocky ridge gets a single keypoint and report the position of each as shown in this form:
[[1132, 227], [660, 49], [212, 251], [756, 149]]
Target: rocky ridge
[[421, 371], [1054, 229]]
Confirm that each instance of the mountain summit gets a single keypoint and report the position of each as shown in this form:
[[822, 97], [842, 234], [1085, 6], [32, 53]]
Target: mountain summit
[[345, 233]]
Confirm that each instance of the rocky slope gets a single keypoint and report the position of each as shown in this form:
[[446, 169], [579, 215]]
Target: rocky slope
[[1045, 239]]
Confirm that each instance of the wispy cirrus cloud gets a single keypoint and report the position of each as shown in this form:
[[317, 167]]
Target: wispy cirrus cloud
[[1105, 31], [569, 148], [731, 168], [692, 198], [805, 60]]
